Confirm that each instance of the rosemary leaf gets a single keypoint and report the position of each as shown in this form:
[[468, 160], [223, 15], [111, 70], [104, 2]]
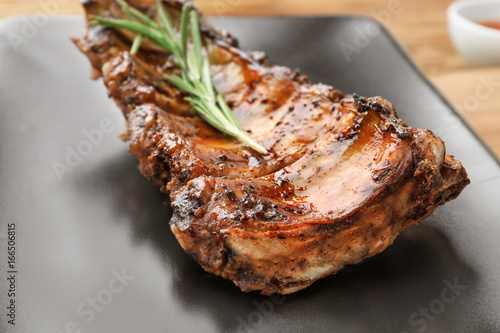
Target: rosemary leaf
[[165, 22], [181, 84], [135, 15], [136, 27], [196, 35], [137, 44], [185, 26]]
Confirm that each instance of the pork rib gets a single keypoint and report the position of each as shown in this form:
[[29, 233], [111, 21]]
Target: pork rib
[[343, 178]]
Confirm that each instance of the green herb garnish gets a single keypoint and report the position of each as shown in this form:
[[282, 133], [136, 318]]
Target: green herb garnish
[[195, 67]]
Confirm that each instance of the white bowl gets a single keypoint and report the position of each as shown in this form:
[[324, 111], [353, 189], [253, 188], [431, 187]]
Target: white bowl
[[480, 45]]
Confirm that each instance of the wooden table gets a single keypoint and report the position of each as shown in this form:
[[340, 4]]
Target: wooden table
[[419, 25]]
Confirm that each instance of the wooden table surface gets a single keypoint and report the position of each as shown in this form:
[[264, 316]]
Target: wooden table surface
[[419, 25]]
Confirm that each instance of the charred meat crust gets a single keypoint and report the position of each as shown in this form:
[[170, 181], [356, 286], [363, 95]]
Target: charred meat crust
[[343, 178]]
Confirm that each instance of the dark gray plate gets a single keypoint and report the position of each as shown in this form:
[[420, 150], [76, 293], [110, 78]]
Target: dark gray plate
[[76, 232]]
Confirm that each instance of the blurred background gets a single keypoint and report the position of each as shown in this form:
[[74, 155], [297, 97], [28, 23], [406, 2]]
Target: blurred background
[[421, 26]]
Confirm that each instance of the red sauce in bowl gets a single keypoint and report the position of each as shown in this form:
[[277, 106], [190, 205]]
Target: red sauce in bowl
[[491, 24]]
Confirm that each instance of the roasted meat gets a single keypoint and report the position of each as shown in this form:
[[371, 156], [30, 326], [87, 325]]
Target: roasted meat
[[343, 178]]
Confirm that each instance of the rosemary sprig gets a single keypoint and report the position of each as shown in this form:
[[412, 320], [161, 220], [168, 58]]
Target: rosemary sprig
[[195, 76]]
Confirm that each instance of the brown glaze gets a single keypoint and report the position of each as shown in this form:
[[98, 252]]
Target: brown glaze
[[343, 178]]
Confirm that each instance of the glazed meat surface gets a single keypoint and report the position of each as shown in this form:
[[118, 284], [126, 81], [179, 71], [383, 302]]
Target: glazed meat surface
[[345, 200], [278, 107], [343, 177]]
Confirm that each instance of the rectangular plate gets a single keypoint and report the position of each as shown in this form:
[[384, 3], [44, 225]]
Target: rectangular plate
[[84, 214]]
